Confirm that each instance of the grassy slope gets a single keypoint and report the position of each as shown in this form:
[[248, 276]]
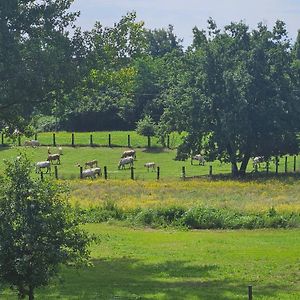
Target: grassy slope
[[152, 264]]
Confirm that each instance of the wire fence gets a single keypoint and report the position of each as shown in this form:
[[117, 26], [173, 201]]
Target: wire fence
[[95, 139], [289, 166]]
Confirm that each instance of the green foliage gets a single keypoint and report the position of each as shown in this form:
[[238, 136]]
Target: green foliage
[[235, 97], [197, 217], [36, 57], [146, 126], [38, 230]]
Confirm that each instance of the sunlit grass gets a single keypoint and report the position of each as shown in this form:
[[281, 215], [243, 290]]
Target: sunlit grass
[[249, 196], [170, 265], [109, 157], [101, 138]]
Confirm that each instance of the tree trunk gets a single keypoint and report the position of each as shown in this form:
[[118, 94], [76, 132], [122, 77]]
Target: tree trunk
[[244, 164], [234, 169], [31, 293]]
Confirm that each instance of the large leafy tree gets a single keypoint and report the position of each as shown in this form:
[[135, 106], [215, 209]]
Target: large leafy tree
[[162, 41], [103, 97], [35, 56], [38, 230], [235, 95]]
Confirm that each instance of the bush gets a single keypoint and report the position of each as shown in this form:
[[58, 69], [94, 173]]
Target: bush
[[194, 218]]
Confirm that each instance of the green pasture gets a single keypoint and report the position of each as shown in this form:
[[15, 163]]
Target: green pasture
[[156, 264], [164, 158], [99, 138]]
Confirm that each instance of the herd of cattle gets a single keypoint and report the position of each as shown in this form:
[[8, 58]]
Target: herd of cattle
[[92, 169]]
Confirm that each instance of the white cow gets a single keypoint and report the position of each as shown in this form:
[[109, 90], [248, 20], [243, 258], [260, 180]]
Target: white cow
[[91, 172], [149, 165], [198, 157], [128, 153], [257, 160], [125, 161], [43, 165], [32, 143]]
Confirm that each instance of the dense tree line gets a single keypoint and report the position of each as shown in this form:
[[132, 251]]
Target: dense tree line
[[235, 91]]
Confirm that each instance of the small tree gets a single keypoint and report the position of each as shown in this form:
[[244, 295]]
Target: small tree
[[38, 230], [146, 127]]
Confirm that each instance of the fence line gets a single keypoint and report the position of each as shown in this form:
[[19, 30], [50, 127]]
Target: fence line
[[53, 140]]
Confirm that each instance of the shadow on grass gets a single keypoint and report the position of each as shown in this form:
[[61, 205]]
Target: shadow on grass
[[126, 278], [155, 150]]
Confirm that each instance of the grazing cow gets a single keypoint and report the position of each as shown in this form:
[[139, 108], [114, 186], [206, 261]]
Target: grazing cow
[[128, 153], [91, 172], [149, 165], [257, 161], [43, 165], [97, 171], [125, 161], [54, 157], [198, 157], [32, 143], [91, 163]]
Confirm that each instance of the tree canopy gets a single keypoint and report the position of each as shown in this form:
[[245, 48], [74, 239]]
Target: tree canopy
[[236, 97], [35, 57]]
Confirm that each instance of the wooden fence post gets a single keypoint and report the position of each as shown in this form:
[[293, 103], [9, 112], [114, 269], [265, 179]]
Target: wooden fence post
[[285, 165], [295, 162], [250, 292], [168, 142], [56, 172], [157, 173], [267, 167], [149, 141], [2, 138], [73, 140], [80, 172], [132, 173], [183, 173], [35, 136], [105, 172], [42, 176], [276, 165], [109, 140], [19, 140], [91, 140], [210, 170], [53, 139], [128, 141]]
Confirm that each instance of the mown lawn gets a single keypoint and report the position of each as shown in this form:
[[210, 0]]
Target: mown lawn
[[162, 264]]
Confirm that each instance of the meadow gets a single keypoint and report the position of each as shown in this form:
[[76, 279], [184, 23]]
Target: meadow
[[169, 264], [137, 259]]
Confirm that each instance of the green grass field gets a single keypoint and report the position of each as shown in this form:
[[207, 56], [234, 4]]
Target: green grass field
[[172, 264], [164, 158], [161, 264]]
